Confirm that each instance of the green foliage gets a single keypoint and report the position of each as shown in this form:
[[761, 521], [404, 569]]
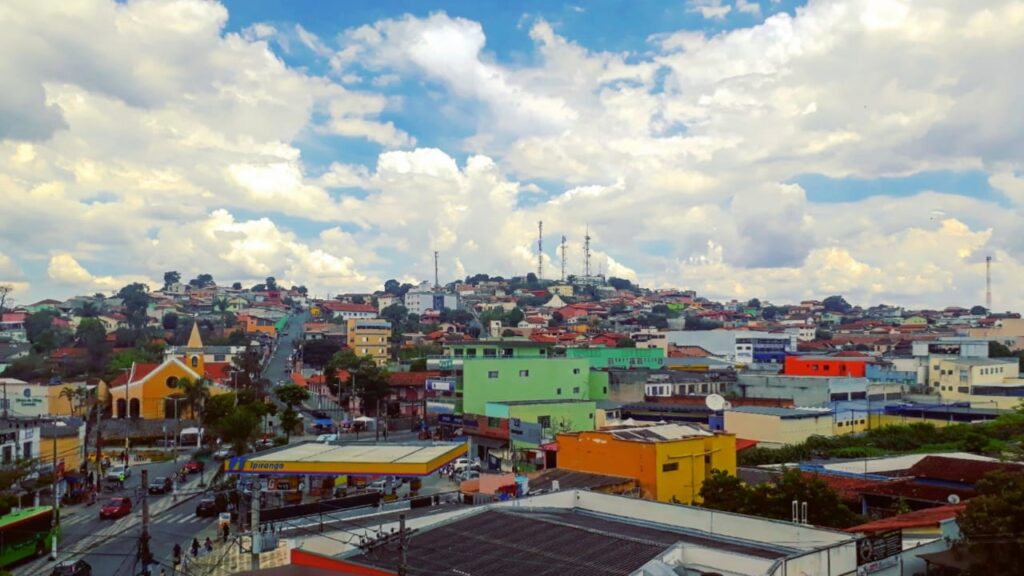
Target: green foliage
[[239, 427], [236, 286], [836, 304], [820, 334], [698, 323], [622, 284], [135, 298], [202, 281], [289, 421], [418, 365], [218, 407], [770, 312], [978, 310], [123, 360], [271, 283], [171, 278], [993, 524], [196, 391], [371, 383], [773, 500], [41, 332], [999, 350], [28, 368], [170, 321], [625, 343], [291, 395]]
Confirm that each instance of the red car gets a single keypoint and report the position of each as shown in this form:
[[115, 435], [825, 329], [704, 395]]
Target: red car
[[116, 508], [194, 467]]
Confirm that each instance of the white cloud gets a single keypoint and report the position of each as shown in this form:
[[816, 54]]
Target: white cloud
[[711, 9]]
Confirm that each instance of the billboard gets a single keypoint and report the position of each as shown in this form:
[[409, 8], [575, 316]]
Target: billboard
[[441, 385], [524, 431]]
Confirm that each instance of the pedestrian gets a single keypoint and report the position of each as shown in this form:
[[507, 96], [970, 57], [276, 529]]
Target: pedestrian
[[195, 547], [226, 531], [120, 480], [177, 556], [208, 544]]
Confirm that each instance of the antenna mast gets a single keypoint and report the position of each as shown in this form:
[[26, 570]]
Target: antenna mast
[[540, 249], [586, 254], [563, 259], [437, 282], [988, 283]]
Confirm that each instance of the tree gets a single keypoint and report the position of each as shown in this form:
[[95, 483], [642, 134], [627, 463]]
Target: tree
[[248, 366], [358, 300], [76, 396], [240, 427], [5, 292], [42, 333], [514, 317], [236, 286], [979, 311], [396, 313], [820, 334], [754, 303], [620, 283], [531, 279], [993, 523], [217, 408], [93, 336], [271, 283], [202, 281], [317, 353], [418, 365], [999, 350], [836, 304], [291, 395], [28, 368], [391, 287], [196, 392], [135, 298], [625, 343], [88, 309], [770, 312], [170, 321], [774, 499], [171, 278]]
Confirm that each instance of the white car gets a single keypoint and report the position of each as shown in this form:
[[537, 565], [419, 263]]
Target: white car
[[115, 471], [463, 464], [326, 438], [468, 475]]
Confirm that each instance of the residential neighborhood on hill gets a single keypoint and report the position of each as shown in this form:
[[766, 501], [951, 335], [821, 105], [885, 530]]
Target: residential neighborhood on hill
[[889, 421]]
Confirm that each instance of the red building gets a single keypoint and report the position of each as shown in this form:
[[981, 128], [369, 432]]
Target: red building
[[851, 366]]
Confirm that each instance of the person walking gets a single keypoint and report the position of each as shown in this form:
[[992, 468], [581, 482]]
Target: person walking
[[120, 480], [195, 547], [208, 544], [177, 557]]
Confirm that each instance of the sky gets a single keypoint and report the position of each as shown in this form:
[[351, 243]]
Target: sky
[[742, 148]]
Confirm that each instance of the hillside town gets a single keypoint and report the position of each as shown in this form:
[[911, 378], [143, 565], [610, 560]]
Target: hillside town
[[321, 430]]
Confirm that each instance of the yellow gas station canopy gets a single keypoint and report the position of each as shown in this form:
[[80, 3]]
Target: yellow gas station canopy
[[355, 459]]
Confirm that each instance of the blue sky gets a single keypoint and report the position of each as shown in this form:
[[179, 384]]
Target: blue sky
[[705, 143]]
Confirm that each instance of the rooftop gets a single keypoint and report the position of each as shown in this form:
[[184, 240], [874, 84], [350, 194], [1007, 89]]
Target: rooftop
[[784, 413], [573, 480], [659, 433], [532, 402], [409, 459], [917, 519]]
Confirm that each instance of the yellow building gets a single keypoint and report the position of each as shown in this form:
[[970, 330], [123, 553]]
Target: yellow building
[[370, 337], [70, 445], [561, 289], [773, 426], [669, 462], [149, 390], [984, 382]]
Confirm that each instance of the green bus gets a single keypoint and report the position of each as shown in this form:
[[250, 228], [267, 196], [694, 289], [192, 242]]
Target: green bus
[[26, 533]]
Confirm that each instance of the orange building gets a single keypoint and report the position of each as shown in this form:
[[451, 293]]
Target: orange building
[[848, 366], [669, 462]]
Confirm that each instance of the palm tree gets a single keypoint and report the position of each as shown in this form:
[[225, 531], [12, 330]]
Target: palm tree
[[196, 392], [221, 305], [88, 310], [76, 396]]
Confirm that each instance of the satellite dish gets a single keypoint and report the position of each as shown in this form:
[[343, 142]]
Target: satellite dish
[[953, 499], [727, 405], [715, 402]]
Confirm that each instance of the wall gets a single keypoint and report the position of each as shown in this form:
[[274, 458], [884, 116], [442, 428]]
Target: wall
[[599, 453], [651, 358], [693, 460], [803, 390], [564, 416], [816, 366], [69, 449], [545, 379], [774, 429], [27, 399]]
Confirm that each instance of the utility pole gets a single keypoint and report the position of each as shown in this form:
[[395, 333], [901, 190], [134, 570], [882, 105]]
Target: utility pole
[[437, 279], [257, 538], [540, 249], [988, 284], [55, 522], [5, 399], [145, 556], [586, 254], [99, 446], [403, 547], [563, 259]]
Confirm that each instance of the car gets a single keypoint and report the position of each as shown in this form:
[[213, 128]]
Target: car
[[163, 443], [116, 508], [379, 485], [463, 464], [115, 471], [194, 466], [467, 475], [223, 454], [160, 485], [208, 508], [327, 438], [72, 568]]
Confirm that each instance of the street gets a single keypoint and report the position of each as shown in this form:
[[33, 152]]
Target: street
[[110, 545]]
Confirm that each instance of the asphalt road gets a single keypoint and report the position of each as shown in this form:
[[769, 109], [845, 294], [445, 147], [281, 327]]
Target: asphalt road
[[109, 545]]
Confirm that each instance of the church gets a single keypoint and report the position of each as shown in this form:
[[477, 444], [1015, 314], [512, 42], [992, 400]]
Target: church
[[153, 391]]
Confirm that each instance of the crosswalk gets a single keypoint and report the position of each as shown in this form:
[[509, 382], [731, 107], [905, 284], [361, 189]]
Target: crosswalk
[[174, 517]]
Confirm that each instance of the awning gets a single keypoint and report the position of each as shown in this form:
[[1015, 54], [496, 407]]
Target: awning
[[549, 447]]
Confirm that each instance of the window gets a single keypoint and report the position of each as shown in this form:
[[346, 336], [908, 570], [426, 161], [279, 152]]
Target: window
[[195, 361], [471, 352], [219, 357], [172, 382], [26, 450], [493, 422], [490, 353], [457, 352], [575, 370], [524, 373], [544, 421], [963, 390], [364, 339], [493, 374], [558, 391], [7, 454], [605, 389], [591, 415], [839, 424], [507, 353], [575, 389], [670, 467]]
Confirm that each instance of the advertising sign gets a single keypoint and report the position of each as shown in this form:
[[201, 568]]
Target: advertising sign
[[879, 546], [440, 385], [524, 431]]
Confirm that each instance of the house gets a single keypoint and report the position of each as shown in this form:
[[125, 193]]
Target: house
[[370, 337], [348, 311], [152, 391], [669, 461]]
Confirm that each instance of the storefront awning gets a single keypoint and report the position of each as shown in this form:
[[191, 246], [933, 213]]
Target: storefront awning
[[413, 459]]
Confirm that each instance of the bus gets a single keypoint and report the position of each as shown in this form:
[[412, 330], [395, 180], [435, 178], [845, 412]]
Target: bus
[[26, 533]]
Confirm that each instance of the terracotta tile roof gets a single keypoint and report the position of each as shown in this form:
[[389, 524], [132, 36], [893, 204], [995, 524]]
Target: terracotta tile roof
[[412, 378], [335, 306], [911, 490], [742, 444], [688, 352], [218, 371], [141, 370], [847, 487], [958, 470], [917, 519]]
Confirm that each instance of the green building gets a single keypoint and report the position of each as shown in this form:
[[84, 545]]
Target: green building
[[651, 358], [528, 379], [554, 416], [498, 349]]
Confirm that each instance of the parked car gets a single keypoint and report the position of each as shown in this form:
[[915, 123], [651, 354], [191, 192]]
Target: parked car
[[327, 438], [116, 508], [72, 568], [160, 485], [114, 472], [194, 466], [378, 485], [223, 454], [466, 464], [208, 508], [467, 475]]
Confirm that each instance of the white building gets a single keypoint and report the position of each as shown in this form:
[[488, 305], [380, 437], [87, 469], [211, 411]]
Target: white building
[[420, 300], [19, 439]]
